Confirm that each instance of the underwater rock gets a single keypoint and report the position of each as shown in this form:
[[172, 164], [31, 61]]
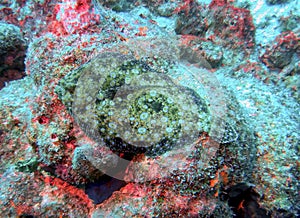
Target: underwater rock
[[274, 2], [251, 130], [72, 17], [282, 50], [211, 52], [88, 160], [12, 53], [10, 38], [290, 22], [118, 6], [222, 23], [191, 19], [166, 9]]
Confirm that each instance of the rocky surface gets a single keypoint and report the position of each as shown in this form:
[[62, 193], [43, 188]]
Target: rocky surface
[[12, 51], [222, 92]]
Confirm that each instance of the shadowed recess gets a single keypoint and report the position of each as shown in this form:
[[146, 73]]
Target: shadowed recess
[[102, 189]]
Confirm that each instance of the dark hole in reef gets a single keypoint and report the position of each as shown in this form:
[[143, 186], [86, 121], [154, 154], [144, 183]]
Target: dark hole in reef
[[12, 64], [26, 216], [244, 201], [7, 75], [102, 189]]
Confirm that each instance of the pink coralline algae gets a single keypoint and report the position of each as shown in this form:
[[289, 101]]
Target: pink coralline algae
[[284, 47], [147, 109], [220, 22], [71, 17]]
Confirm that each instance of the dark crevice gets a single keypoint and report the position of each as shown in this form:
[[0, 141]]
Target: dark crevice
[[244, 201], [102, 189]]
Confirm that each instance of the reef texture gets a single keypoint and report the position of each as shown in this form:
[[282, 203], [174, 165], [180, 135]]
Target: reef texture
[[12, 51], [149, 108], [219, 22], [281, 53]]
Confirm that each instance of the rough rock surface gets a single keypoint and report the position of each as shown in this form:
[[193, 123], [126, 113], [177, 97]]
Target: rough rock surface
[[12, 53], [60, 152]]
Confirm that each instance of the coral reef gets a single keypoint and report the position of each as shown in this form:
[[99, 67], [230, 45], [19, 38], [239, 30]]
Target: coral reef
[[281, 53], [71, 17], [12, 52], [149, 108], [217, 22], [273, 2], [116, 5]]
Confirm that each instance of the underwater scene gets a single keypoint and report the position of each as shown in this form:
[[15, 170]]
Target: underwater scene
[[143, 108]]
